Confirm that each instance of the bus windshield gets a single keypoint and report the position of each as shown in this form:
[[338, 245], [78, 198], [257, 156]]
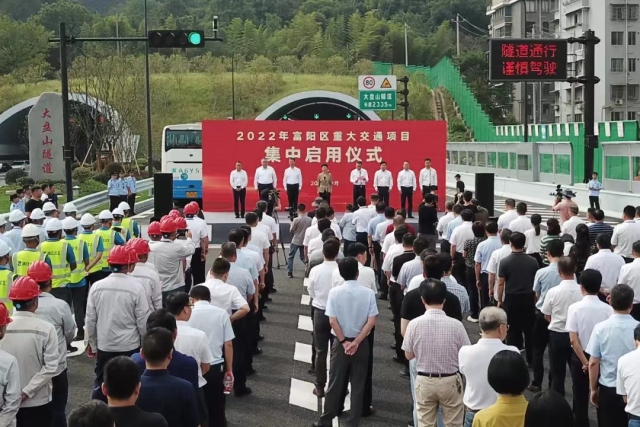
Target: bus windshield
[[183, 138]]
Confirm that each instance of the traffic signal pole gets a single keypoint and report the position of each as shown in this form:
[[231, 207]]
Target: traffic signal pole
[[166, 37], [405, 92]]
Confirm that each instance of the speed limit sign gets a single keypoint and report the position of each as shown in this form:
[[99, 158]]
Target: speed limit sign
[[369, 82]]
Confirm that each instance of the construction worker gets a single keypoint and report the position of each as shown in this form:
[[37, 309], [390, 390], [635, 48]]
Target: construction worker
[[168, 257], [78, 279], [200, 236], [63, 260], [118, 216], [57, 313], [117, 312], [127, 222], [34, 343], [95, 246], [3, 238], [181, 238], [174, 213], [154, 232], [6, 275], [21, 260], [37, 218], [109, 239], [70, 210], [17, 219], [10, 389], [50, 212], [147, 274]]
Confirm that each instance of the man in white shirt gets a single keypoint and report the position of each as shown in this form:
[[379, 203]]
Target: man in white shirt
[[606, 262], [428, 178], [581, 318], [258, 237], [361, 219], [320, 283], [630, 275], [265, 177], [494, 263], [383, 183], [509, 215], [315, 244], [189, 340], [474, 361], [628, 381], [444, 220], [292, 182], [199, 230], [407, 184], [239, 181], [522, 223], [569, 226], [394, 250], [215, 323], [555, 309], [626, 234], [366, 275], [459, 237], [359, 178]]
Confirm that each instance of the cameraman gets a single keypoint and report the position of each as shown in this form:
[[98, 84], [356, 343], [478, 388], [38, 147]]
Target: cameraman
[[272, 197], [563, 207], [297, 228]]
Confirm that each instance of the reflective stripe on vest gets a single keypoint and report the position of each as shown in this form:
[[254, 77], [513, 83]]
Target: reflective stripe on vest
[[60, 268], [6, 280], [78, 250], [23, 259], [108, 241], [91, 240]]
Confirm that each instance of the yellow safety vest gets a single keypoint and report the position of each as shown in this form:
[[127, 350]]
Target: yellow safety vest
[[108, 242], [60, 268], [6, 280], [128, 223], [78, 250], [121, 230], [91, 240], [23, 259]]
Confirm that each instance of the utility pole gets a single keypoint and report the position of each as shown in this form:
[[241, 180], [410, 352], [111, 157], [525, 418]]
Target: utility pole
[[457, 21], [526, 112], [64, 83], [406, 47], [147, 85]]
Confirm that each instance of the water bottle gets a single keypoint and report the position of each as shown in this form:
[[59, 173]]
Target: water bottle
[[228, 383]]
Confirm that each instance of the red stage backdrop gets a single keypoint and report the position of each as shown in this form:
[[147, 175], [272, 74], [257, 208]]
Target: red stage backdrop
[[338, 143]]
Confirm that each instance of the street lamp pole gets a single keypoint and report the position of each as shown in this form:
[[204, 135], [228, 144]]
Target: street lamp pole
[[233, 86], [147, 81]]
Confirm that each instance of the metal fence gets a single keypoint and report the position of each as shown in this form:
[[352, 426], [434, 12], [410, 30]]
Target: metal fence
[[86, 203]]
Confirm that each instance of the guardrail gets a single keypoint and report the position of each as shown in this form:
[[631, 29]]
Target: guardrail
[[86, 203]]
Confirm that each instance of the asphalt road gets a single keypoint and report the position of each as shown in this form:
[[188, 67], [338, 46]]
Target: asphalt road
[[281, 393]]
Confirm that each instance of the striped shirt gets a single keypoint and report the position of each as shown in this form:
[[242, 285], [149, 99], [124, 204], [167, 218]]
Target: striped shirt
[[599, 228], [543, 247]]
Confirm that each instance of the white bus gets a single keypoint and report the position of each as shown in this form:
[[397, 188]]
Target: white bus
[[182, 157]]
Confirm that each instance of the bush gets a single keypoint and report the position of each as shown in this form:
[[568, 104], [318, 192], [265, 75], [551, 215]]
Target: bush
[[102, 178], [113, 167], [26, 180], [91, 186], [81, 174], [144, 175], [13, 175], [142, 163]]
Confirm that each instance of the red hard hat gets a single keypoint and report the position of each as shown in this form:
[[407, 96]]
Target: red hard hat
[[133, 255], [164, 217], [154, 229], [168, 226], [181, 223], [174, 213], [139, 245], [119, 255], [24, 289], [4, 315], [192, 208], [40, 272]]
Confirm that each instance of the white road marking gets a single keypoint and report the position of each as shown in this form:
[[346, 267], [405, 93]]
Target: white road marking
[[304, 323], [305, 300]]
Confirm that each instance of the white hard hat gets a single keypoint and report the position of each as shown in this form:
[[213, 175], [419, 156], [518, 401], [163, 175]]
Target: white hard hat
[[37, 214], [105, 214], [54, 224], [117, 211], [4, 248], [69, 223], [48, 207], [124, 206], [87, 220], [16, 216], [30, 230], [2, 220], [69, 207]]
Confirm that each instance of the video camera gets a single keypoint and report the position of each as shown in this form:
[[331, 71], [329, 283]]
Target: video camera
[[559, 193], [293, 214]]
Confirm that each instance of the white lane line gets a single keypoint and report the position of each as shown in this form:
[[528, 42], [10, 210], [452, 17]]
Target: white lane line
[[305, 300], [301, 394], [304, 323], [306, 282], [80, 345]]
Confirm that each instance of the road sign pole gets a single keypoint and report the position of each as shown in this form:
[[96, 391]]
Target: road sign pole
[[64, 89], [591, 141]]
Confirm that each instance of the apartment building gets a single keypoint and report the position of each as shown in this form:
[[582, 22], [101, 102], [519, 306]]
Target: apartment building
[[526, 19]]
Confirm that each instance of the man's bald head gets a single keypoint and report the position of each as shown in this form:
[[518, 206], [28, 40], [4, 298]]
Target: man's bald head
[[398, 220]]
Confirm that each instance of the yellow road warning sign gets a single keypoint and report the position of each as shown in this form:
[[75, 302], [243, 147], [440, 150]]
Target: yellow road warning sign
[[385, 84]]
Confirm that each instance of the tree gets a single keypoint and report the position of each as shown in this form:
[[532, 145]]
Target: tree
[[22, 45], [73, 14]]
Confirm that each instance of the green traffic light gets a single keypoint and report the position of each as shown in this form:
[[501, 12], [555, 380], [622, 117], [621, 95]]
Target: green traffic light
[[316, 116], [195, 38], [285, 117], [349, 116]]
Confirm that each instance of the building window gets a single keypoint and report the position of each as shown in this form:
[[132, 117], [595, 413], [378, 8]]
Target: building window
[[617, 116], [529, 27], [617, 167], [631, 40], [545, 5], [617, 92], [632, 115], [546, 89], [631, 65], [617, 12], [578, 118], [545, 27], [632, 92], [530, 5], [632, 11], [617, 38], [617, 65], [545, 108], [568, 118]]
